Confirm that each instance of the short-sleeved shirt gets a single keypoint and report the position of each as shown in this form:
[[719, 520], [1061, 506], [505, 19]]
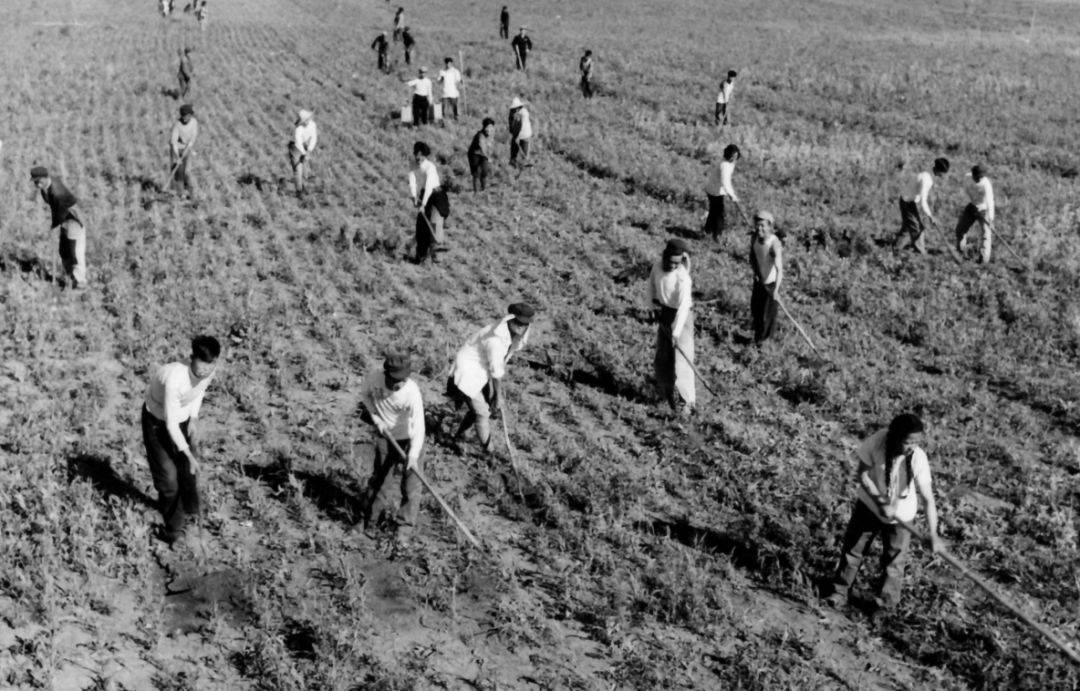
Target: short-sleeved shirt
[[901, 486], [484, 357], [401, 412]]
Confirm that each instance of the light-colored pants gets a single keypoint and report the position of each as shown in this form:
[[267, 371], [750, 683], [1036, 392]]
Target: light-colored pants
[[73, 251]]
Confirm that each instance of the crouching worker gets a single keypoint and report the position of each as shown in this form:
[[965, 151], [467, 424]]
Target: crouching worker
[[892, 468], [392, 403]]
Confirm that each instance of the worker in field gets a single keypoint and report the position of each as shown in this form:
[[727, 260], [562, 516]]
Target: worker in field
[[479, 155], [381, 46], [893, 471], [409, 45], [170, 415], [431, 203], [585, 66], [305, 137], [66, 221], [718, 187], [200, 14], [479, 367], [767, 262], [915, 197], [450, 79], [422, 91], [723, 98], [399, 23], [521, 132], [181, 147], [980, 209], [504, 22], [185, 72], [669, 295], [393, 404], [522, 46]]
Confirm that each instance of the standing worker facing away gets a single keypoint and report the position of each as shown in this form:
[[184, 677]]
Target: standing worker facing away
[[767, 262], [450, 78], [915, 196], [381, 47], [479, 367], [522, 46], [723, 98], [305, 137], [409, 44], [432, 204], [892, 468], [399, 23], [980, 209], [504, 22], [64, 218], [585, 66], [393, 404], [479, 155], [181, 140], [717, 187], [169, 415], [185, 72], [520, 126], [669, 293]]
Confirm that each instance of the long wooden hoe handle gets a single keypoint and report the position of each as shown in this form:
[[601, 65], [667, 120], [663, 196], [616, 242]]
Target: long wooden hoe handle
[[427, 485], [797, 325], [175, 168]]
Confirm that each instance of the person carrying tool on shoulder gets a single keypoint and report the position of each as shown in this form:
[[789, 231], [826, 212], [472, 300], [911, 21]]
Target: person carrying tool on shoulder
[[669, 294]]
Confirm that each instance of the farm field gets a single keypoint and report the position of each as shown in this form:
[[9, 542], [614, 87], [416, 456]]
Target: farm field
[[637, 551]]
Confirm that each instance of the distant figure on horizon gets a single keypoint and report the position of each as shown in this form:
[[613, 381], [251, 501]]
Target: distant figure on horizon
[[980, 209], [669, 294], [717, 188], [767, 262], [399, 23], [305, 137], [450, 78], [585, 66], [381, 47], [409, 44], [181, 142], [522, 46], [431, 203], [723, 99], [200, 14], [504, 23], [185, 72], [66, 221], [421, 97], [520, 134], [915, 196], [479, 155]]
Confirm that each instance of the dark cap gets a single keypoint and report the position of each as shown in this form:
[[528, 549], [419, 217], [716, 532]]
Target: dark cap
[[522, 312], [186, 109], [39, 172], [397, 366], [978, 172], [676, 246]]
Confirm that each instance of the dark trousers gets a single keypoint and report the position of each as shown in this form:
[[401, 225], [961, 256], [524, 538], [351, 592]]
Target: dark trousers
[[763, 310], [420, 106], [519, 152], [479, 168], [408, 55], [178, 496], [720, 115], [383, 66], [504, 30], [863, 527], [388, 460], [969, 217], [449, 105], [715, 222], [521, 55], [429, 226], [911, 227], [586, 87], [185, 83]]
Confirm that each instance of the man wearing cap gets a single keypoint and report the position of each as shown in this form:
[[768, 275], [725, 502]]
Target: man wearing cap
[[522, 46], [450, 78], [723, 98], [432, 204], [421, 98], [64, 217], [300, 147], [915, 195], [767, 261], [980, 209], [169, 423], [185, 72], [408, 43], [381, 46], [718, 186], [585, 66], [479, 366], [392, 403], [669, 293], [504, 22], [520, 134], [479, 155], [184, 133]]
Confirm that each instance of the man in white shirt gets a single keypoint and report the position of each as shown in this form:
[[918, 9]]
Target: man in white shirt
[[980, 209], [892, 468], [393, 404], [305, 137], [181, 142], [450, 78], [520, 134], [915, 196], [767, 262], [669, 293], [717, 187], [432, 204], [169, 415], [480, 365], [723, 98], [421, 98]]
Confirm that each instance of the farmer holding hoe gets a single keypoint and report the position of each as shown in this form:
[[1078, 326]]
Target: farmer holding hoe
[[185, 72], [520, 126], [393, 404], [305, 137], [915, 197], [723, 98], [421, 97], [522, 46], [169, 416], [717, 188], [181, 140], [893, 472], [669, 294], [431, 203], [479, 367], [381, 46], [980, 209], [767, 262], [479, 155], [61, 204]]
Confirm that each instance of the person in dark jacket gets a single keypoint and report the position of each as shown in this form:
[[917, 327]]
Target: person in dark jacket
[[65, 219], [522, 46], [381, 46], [480, 155], [504, 23]]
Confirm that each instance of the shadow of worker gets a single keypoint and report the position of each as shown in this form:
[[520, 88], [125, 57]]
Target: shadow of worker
[[99, 472]]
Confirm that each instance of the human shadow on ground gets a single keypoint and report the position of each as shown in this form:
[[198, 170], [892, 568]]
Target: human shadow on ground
[[99, 471], [334, 496], [684, 233], [26, 262], [744, 554], [145, 183], [590, 374]]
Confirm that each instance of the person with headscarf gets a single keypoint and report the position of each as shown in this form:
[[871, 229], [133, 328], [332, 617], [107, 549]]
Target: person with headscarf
[[669, 294], [305, 137]]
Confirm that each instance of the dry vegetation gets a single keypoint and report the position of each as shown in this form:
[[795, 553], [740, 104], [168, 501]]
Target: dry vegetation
[[640, 553]]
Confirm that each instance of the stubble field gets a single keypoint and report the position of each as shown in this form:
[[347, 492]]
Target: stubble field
[[640, 552]]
